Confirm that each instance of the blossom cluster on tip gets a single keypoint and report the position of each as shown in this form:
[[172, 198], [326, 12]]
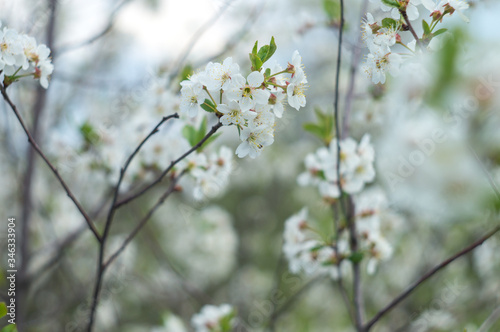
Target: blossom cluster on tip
[[250, 103], [21, 56], [214, 319], [355, 169], [307, 252], [381, 37]]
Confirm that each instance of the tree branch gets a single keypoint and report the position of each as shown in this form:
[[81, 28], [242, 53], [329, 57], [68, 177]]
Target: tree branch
[[172, 164], [33, 143], [426, 276], [410, 27]]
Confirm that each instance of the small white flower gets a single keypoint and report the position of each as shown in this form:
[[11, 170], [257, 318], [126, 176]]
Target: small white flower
[[219, 76], [254, 140], [248, 95], [295, 91], [192, 96], [378, 63]]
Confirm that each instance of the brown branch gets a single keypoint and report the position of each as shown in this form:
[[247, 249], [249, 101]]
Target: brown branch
[[410, 27], [33, 143], [426, 276], [172, 164]]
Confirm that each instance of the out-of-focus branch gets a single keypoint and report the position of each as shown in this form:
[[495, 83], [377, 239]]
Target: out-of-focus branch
[[169, 168], [179, 63], [352, 76], [35, 146], [236, 38], [97, 36], [426, 276], [144, 220]]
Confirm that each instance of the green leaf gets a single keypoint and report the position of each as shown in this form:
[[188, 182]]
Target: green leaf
[[10, 328], [256, 62], [263, 53], [440, 31], [427, 29], [392, 3], [272, 48], [3, 309], [332, 9], [268, 72], [89, 134], [314, 129], [356, 257], [389, 23], [255, 47], [208, 106]]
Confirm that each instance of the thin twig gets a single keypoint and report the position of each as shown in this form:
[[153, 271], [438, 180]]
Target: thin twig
[[172, 164], [426, 276], [51, 166], [488, 323], [352, 77], [275, 315], [144, 220], [109, 219], [485, 171]]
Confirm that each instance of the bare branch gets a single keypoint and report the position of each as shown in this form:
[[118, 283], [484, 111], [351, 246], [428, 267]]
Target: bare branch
[[33, 143], [426, 276]]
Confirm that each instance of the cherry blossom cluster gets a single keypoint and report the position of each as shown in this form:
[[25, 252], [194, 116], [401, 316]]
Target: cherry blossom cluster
[[250, 103], [381, 36], [355, 169], [214, 319], [308, 252], [21, 56]]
